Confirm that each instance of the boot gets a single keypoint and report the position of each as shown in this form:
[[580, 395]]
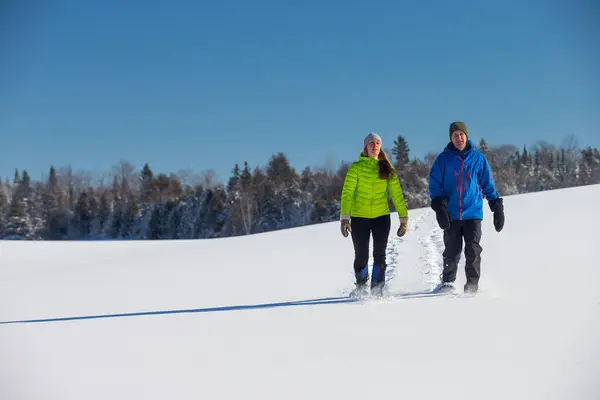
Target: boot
[[378, 280], [362, 277], [471, 288]]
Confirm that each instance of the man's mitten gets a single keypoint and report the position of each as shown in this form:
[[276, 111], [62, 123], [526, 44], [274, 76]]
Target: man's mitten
[[497, 207], [441, 212]]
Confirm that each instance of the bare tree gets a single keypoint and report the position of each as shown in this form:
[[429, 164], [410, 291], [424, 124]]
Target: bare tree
[[189, 178], [209, 178], [81, 181], [125, 171]]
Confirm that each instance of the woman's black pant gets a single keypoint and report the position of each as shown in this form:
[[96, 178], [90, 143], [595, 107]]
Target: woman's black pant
[[362, 229]]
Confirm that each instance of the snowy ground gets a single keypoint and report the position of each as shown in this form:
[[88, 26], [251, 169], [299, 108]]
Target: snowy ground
[[533, 331]]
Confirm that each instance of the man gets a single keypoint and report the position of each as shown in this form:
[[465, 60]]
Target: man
[[459, 180]]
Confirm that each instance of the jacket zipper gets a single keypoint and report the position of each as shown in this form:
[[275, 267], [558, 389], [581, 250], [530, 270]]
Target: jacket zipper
[[462, 167]]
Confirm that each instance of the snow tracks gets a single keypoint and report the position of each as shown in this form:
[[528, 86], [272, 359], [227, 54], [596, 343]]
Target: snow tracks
[[415, 260]]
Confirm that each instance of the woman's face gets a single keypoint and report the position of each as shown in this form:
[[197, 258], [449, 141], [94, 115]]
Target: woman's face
[[373, 148]]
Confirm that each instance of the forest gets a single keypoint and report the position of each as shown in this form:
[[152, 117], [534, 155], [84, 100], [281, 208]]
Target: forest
[[132, 204]]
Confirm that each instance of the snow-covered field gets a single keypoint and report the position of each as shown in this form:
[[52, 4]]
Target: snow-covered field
[[256, 328]]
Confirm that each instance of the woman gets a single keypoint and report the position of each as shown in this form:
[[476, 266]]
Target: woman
[[365, 211]]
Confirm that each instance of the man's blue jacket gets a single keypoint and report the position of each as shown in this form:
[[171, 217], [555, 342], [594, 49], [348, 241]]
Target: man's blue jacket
[[463, 179]]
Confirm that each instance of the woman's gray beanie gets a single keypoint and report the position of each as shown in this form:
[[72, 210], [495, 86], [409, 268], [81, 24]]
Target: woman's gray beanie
[[373, 136]]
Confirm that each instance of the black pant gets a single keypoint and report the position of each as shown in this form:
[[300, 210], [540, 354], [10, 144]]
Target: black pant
[[362, 228], [470, 231]]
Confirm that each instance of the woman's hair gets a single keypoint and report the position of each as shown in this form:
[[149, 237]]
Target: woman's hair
[[385, 166]]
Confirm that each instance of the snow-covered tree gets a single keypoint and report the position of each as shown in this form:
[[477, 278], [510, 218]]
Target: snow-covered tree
[[149, 205]]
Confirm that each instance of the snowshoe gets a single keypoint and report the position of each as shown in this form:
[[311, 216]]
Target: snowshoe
[[377, 290], [445, 287], [378, 280], [360, 291]]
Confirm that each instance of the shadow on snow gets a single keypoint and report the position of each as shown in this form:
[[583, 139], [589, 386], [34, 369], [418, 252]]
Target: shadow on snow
[[317, 301]]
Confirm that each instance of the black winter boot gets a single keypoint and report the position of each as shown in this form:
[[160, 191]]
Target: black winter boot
[[471, 288]]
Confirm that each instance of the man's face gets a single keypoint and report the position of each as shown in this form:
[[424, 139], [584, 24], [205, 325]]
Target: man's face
[[459, 139]]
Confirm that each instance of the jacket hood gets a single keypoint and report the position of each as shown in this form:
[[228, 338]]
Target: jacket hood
[[362, 157], [452, 149]]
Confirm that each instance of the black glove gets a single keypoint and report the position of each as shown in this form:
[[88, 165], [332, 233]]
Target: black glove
[[441, 212], [497, 207]]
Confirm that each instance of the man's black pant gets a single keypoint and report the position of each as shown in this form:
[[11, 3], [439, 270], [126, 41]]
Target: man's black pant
[[362, 228], [470, 231]]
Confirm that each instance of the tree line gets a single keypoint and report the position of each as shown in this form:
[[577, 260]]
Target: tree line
[[147, 205]]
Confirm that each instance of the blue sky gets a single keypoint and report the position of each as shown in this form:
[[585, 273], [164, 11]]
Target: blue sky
[[203, 85]]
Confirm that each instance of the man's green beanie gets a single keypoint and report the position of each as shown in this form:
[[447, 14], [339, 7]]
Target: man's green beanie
[[460, 126]]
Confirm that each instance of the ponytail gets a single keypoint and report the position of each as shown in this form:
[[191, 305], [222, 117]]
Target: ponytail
[[385, 166]]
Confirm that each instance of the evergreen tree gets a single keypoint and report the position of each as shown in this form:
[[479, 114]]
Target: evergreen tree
[[148, 185], [234, 181], [82, 218], [130, 217], [587, 166], [483, 147], [55, 208], [4, 203], [17, 178], [400, 153], [17, 221], [104, 214]]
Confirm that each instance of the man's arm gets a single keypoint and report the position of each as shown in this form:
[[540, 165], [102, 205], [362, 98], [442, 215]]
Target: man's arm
[[436, 179], [486, 180]]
